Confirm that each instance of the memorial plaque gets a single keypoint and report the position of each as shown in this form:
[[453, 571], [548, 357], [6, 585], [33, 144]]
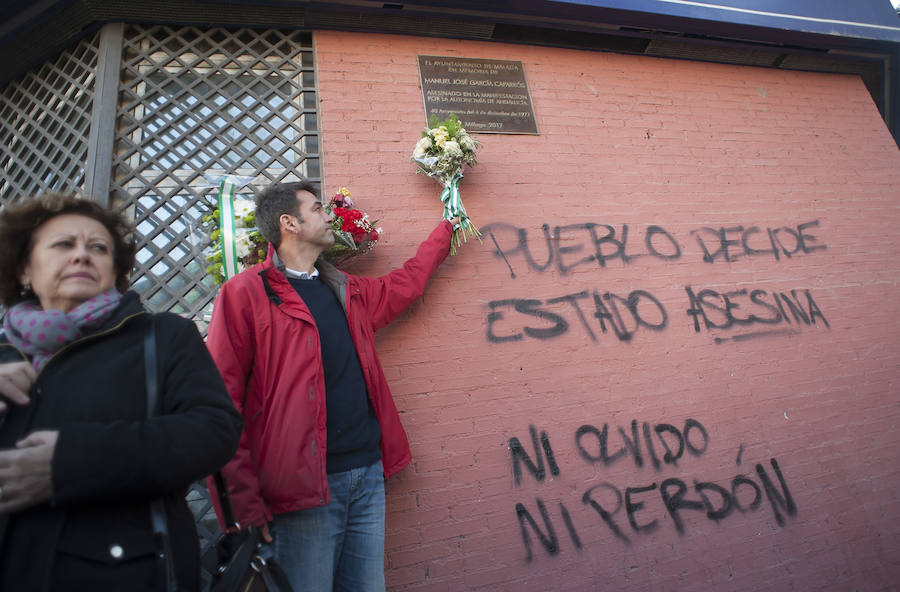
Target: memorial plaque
[[488, 96]]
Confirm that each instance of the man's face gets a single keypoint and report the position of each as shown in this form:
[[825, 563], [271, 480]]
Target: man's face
[[315, 225]]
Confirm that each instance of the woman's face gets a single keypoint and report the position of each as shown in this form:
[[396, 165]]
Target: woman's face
[[71, 261]]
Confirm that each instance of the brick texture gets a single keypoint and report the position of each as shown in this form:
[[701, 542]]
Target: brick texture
[[688, 156]]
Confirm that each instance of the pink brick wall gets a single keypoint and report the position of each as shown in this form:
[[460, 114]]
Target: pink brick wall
[[690, 148]]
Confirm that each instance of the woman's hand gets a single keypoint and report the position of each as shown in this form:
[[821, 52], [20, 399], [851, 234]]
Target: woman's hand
[[26, 472], [15, 382]]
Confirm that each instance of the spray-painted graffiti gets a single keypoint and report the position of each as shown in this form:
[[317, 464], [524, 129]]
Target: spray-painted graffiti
[[623, 315], [756, 312], [596, 314], [732, 243], [730, 309], [565, 248], [593, 443], [636, 510]]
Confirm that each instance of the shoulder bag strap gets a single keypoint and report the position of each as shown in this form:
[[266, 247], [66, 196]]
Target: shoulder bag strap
[[158, 516], [225, 502]]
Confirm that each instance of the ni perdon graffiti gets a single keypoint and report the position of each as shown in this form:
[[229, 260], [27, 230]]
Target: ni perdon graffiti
[[736, 315], [638, 509]]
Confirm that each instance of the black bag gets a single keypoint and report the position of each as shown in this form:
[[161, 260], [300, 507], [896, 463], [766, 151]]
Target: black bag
[[240, 566]]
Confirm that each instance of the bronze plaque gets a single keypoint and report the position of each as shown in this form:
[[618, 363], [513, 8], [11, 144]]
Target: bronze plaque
[[488, 96]]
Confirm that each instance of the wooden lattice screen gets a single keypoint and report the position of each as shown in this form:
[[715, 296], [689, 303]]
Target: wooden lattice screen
[[45, 117], [195, 105]]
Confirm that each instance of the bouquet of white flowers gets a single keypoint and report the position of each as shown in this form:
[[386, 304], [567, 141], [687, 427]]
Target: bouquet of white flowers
[[441, 153]]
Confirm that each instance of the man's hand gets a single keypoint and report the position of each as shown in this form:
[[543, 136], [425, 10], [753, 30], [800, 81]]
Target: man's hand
[[15, 382], [26, 472], [264, 531], [454, 222]]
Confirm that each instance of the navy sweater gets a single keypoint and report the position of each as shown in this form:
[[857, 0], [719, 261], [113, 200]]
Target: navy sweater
[[353, 431]]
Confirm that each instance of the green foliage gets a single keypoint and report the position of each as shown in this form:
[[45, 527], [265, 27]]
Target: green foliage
[[452, 124]]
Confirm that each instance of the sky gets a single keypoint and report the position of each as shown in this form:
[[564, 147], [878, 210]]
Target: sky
[[895, 3]]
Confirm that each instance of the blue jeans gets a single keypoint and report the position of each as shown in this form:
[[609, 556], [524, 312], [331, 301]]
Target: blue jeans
[[340, 546]]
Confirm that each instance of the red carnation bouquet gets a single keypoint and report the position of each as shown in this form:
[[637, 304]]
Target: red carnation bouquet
[[354, 233]]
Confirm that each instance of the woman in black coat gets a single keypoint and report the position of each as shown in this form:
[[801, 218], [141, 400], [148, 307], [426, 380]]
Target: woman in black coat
[[80, 462]]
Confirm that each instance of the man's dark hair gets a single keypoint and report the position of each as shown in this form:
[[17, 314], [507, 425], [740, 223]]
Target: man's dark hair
[[19, 221], [278, 199]]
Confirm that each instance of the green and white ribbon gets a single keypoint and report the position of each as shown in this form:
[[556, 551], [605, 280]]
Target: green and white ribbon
[[453, 207], [226, 227], [451, 199]]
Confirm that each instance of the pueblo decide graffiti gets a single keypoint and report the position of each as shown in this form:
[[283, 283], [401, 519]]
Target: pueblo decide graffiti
[[748, 313]]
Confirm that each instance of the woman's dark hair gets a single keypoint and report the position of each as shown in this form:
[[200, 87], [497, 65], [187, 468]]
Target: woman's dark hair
[[19, 221], [275, 200]]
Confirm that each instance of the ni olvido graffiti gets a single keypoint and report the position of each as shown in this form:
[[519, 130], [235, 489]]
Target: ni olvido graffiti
[[748, 312], [637, 509]]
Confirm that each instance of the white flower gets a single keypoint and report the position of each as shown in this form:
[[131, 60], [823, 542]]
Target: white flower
[[242, 244], [467, 143], [422, 147], [243, 208], [452, 148]]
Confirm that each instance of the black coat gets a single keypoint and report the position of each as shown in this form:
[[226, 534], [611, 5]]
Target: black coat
[[110, 461]]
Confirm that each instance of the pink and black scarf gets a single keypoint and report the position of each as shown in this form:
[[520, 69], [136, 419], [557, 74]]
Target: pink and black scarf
[[41, 333]]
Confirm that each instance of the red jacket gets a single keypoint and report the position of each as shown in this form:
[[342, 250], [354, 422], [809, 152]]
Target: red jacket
[[266, 345]]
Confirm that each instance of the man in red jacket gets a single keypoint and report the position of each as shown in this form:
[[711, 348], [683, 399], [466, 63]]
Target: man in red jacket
[[294, 339]]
